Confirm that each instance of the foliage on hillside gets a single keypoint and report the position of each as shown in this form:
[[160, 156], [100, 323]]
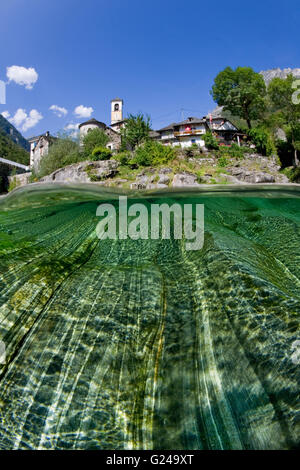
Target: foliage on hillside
[[13, 133], [12, 151], [153, 154], [62, 153], [246, 99]]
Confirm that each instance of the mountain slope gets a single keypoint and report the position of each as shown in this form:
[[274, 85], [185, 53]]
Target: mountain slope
[[278, 73], [11, 151], [13, 133]]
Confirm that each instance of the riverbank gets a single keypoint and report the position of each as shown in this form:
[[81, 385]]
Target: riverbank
[[181, 172]]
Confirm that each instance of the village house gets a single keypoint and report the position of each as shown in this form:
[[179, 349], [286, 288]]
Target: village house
[[39, 146], [191, 131]]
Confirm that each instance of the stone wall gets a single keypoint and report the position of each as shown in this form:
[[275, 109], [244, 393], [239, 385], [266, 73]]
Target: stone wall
[[20, 180], [114, 139]]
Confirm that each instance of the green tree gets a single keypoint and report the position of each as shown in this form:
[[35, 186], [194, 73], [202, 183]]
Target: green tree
[[136, 131], [286, 110], [94, 138], [262, 139], [241, 91], [211, 142]]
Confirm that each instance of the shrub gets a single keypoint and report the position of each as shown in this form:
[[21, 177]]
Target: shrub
[[234, 151], [153, 153], [200, 178], [262, 140], [101, 153], [211, 142], [123, 158], [293, 174], [222, 162], [13, 184], [191, 151], [33, 178], [94, 138], [62, 153]]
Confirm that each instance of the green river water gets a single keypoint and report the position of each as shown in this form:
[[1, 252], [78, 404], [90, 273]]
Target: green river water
[[140, 344]]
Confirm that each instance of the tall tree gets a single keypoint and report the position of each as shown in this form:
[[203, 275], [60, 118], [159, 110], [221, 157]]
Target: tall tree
[[286, 109], [136, 130], [241, 91], [95, 138]]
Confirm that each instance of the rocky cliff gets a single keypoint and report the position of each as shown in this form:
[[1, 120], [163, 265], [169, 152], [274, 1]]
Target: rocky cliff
[[279, 73]]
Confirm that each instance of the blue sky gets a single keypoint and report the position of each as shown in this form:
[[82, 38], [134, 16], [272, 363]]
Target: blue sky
[[159, 56]]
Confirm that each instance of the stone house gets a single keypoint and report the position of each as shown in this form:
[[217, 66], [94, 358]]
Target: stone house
[[39, 147]]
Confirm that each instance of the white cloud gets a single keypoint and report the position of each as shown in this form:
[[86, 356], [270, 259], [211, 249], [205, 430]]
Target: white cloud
[[5, 114], [19, 118], [24, 121], [22, 76], [83, 112], [73, 129], [32, 120], [59, 111]]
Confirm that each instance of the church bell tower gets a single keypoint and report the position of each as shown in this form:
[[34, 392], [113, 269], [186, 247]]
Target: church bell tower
[[116, 110]]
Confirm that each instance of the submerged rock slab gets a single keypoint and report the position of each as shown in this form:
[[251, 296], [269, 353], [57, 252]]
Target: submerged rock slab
[[123, 344]]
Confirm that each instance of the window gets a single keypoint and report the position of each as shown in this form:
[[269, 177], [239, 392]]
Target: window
[[117, 107]]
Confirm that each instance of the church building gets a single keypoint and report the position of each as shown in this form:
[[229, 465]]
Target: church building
[[112, 131]]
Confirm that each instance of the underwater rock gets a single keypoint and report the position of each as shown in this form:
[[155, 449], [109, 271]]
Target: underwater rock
[[139, 344]]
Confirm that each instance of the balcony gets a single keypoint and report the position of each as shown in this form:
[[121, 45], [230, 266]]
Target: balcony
[[191, 132]]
